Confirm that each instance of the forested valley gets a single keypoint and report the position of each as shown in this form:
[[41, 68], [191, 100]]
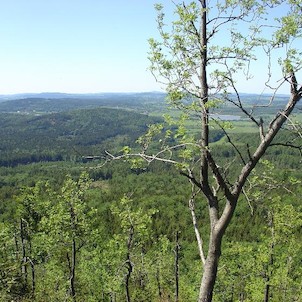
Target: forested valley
[[76, 226]]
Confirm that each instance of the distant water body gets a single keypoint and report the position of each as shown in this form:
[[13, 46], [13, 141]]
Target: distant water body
[[225, 117]]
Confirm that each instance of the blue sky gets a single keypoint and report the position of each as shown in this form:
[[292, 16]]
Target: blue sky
[[77, 46]]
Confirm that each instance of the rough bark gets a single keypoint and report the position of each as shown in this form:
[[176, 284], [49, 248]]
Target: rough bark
[[210, 272], [214, 251]]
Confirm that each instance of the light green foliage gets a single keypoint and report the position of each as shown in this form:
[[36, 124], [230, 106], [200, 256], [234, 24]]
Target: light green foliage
[[128, 245], [176, 59], [100, 268], [199, 58], [9, 267], [160, 268], [153, 131], [176, 62], [248, 267], [287, 222], [235, 271], [126, 150], [182, 66], [26, 251], [65, 230], [264, 248], [67, 215], [277, 256], [129, 217], [31, 208], [288, 34]]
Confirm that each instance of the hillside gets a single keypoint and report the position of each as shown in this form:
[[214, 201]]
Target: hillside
[[46, 144], [70, 135]]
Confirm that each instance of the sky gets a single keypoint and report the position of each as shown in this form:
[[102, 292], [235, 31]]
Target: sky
[[77, 46]]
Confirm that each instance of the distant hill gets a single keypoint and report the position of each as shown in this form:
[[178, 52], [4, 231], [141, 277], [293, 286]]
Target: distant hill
[[57, 102], [27, 138], [144, 102]]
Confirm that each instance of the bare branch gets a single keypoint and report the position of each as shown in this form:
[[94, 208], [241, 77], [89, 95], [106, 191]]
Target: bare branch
[[294, 125], [154, 157], [220, 180], [275, 126], [194, 220], [191, 178], [248, 201], [147, 158], [288, 145], [231, 142], [239, 105]]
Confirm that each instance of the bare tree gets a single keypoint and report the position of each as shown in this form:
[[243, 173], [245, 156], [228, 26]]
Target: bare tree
[[199, 59]]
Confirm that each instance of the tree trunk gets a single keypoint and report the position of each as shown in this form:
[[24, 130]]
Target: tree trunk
[[24, 256], [33, 275], [196, 230], [210, 269], [129, 263], [268, 276], [72, 272], [158, 284], [218, 227], [177, 247], [268, 273], [71, 266]]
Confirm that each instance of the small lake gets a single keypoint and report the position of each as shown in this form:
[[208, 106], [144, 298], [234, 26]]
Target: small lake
[[225, 117]]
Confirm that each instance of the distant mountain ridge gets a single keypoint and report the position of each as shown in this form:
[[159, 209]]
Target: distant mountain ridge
[[143, 102], [59, 95], [58, 102]]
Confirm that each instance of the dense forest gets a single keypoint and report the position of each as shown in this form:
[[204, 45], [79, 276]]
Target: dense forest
[[75, 227], [70, 135]]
